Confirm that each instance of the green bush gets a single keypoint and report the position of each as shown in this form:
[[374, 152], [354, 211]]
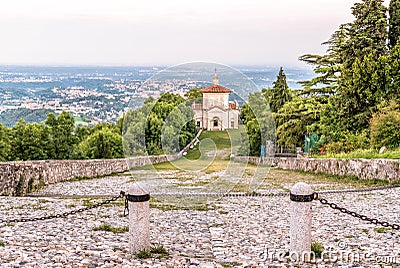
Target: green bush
[[333, 147], [31, 187], [385, 127], [143, 254], [348, 142], [355, 142], [19, 189], [317, 248]]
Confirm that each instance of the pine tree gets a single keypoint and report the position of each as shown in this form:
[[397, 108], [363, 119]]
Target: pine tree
[[394, 66], [279, 94], [363, 87], [367, 33], [328, 67], [394, 22]]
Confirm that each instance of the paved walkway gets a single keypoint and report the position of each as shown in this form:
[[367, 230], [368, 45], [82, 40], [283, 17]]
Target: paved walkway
[[233, 232]]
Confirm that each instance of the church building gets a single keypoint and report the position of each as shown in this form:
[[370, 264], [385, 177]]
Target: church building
[[216, 112]]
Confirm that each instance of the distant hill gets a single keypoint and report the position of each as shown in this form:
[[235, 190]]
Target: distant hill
[[10, 117]]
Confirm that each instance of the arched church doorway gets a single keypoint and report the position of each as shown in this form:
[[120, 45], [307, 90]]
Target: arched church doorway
[[216, 124]]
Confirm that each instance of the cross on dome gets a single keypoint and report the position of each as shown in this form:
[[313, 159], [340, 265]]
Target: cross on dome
[[215, 78]]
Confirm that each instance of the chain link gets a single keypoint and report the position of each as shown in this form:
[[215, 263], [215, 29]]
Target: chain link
[[65, 214], [359, 216], [219, 194], [282, 194], [359, 190]]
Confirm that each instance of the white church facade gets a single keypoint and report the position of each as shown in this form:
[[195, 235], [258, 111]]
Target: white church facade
[[216, 112]]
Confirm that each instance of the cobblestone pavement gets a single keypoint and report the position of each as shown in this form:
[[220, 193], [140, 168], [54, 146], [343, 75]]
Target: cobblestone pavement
[[232, 232]]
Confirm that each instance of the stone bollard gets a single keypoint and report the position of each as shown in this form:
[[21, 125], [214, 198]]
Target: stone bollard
[[301, 196], [139, 219]]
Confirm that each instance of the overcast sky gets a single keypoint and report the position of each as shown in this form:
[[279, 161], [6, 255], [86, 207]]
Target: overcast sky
[[167, 32]]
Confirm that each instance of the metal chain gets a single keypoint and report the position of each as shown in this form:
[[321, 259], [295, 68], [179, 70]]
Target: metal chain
[[359, 190], [219, 194], [222, 194], [172, 195], [60, 215], [356, 215]]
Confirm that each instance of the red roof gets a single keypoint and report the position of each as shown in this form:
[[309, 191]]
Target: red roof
[[215, 89]]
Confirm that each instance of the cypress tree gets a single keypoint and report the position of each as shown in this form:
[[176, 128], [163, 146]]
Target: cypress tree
[[280, 92]]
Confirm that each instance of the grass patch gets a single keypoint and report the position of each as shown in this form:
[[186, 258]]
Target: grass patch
[[19, 189], [290, 176], [143, 254], [193, 154], [230, 264], [317, 248], [87, 202], [84, 178], [109, 228], [381, 230], [167, 207], [365, 154], [218, 143], [220, 138], [158, 252], [115, 203]]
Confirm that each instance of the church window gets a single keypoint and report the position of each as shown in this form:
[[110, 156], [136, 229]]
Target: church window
[[215, 122]]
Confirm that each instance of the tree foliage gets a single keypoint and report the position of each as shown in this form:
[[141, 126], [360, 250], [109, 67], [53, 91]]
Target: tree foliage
[[394, 73], [259, 124], [394, 22], [58, 138], [162, 126], [297, 118], [384, 127], [367, 33], [5, 143], [31, 141], [362, 89], [61, 130], [193, 94], [102, 143], [279, 94], [356, 80], [328, 67]]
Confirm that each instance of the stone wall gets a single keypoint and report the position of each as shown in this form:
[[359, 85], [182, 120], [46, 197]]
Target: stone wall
[[382, 169], [19, 176]]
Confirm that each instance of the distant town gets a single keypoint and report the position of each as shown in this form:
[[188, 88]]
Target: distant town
[[97, 94]]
